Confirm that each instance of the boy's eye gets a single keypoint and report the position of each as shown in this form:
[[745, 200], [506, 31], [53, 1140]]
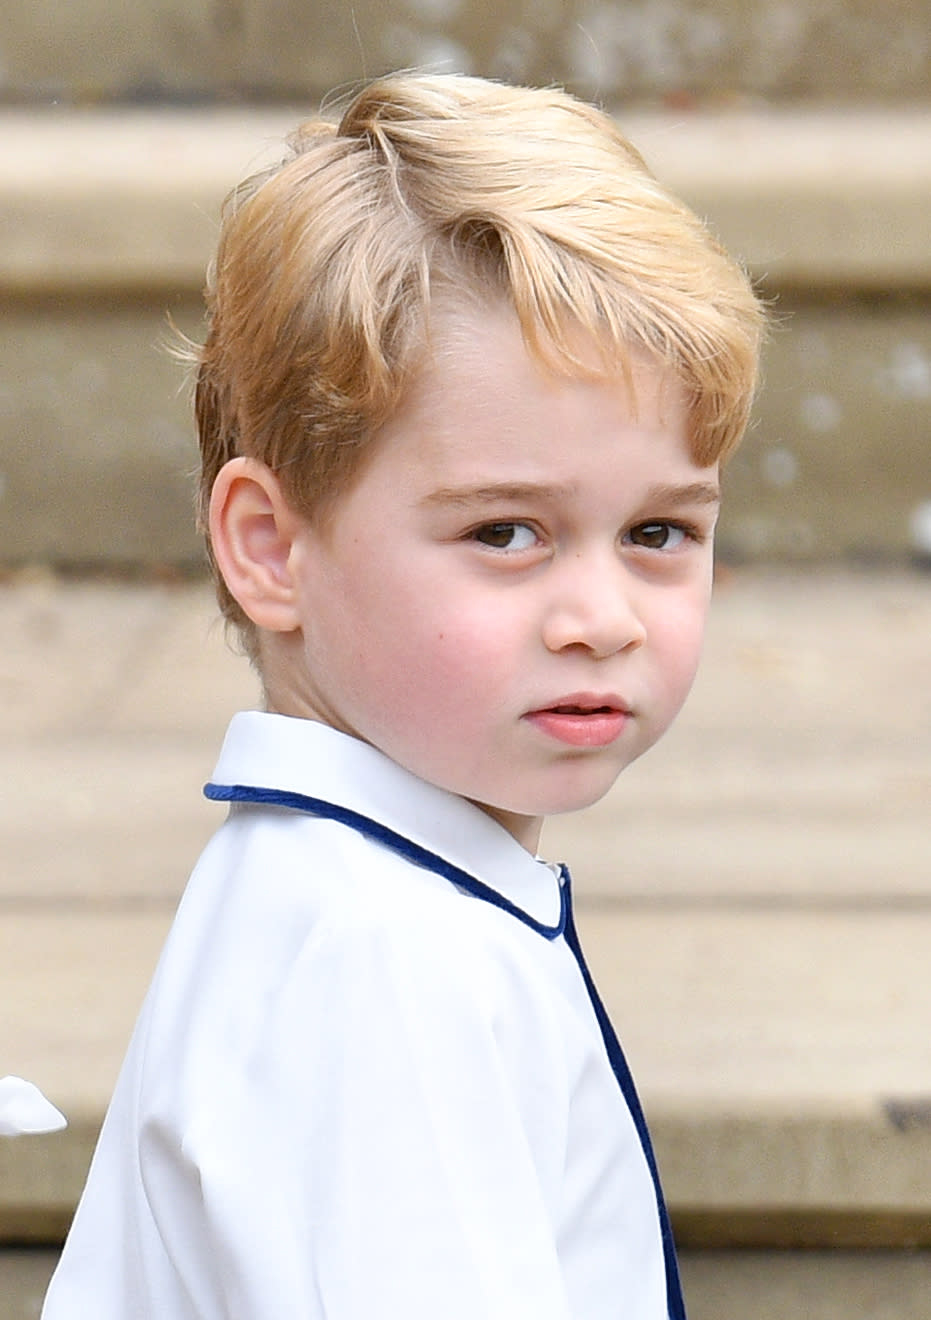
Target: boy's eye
[[506, 536], [658, 536]]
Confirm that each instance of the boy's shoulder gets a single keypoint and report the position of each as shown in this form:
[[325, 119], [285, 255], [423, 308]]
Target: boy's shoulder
[[305, 887], [332, 854]]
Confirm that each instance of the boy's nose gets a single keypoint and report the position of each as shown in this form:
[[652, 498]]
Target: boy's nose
[[595, 608]]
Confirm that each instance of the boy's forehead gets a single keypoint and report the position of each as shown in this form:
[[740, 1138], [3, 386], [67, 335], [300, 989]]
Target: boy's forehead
[[484, 420], [467, 343], [463, 327]]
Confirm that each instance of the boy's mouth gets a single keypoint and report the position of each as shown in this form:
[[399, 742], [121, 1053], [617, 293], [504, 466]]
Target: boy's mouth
[[585, 722]]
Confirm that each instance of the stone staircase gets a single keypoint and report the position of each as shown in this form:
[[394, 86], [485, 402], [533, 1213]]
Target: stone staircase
[[756, 896]]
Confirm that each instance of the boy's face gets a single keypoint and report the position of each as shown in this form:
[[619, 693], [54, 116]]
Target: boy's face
[[510, 600]]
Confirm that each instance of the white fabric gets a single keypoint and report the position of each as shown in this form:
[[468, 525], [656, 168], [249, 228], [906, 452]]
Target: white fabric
[[357, 1093], [24, 1109]]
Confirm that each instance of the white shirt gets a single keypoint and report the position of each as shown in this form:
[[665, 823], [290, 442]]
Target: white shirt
[[356, 1091]]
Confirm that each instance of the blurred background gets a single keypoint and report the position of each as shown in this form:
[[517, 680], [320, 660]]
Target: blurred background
[[756, 894]]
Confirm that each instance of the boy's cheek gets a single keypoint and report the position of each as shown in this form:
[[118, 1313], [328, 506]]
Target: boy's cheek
[[677, 643]]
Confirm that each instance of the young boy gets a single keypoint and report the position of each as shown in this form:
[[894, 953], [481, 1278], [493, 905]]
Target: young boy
[[468, 382]]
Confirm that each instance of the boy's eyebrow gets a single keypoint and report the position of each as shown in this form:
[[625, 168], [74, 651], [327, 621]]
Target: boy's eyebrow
[[497, 492], [696, 492]]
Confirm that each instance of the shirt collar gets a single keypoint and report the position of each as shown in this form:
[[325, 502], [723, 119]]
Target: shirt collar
[[292, 755]]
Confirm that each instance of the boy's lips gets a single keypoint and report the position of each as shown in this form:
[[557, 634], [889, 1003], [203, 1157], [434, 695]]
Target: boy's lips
[[582, 719]]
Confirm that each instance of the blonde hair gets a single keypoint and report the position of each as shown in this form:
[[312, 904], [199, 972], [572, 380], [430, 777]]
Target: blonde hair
[[320, 293]]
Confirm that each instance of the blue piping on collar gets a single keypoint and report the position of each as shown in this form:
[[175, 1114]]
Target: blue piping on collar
[[406, 848]]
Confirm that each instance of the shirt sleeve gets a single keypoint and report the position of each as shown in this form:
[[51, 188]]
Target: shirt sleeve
[[395, 1145]]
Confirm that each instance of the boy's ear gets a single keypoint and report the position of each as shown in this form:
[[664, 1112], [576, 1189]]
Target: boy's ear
[[252, 535]]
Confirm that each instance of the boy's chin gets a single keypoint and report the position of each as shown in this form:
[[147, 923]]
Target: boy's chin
[[538, 809]]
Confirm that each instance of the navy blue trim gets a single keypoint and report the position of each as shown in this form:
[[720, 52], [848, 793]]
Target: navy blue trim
[[674, 1298], [388, 838]]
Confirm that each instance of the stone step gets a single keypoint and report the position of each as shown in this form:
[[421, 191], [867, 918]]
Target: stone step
[[812, 199], [771, 1285], [236, 49], [783, 1059]]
